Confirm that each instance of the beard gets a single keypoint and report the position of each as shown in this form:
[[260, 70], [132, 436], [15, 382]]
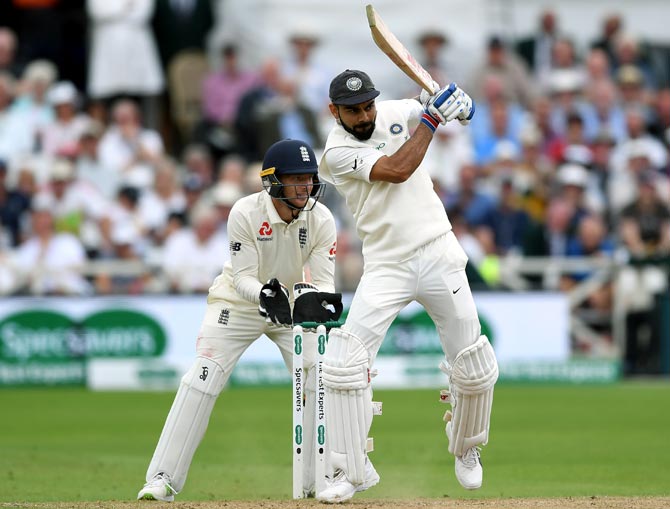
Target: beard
[[362, 132]]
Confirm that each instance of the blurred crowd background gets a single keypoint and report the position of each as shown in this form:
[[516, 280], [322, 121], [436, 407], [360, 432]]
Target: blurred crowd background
[[126, 136]]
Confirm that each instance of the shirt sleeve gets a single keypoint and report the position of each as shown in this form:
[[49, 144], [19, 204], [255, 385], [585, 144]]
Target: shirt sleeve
[[349, 162], [322, 258], [243, 257]]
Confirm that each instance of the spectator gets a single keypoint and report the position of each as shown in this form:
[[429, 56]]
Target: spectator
[[16, 138], [475, 206], [517, 82], [124, 240], [124, 215], [632, 91], [193, 256], [501, 129], [536, 49], [433, 43], [61, 136], [31, 104], [598, 70], [89, 167], [76, 206], [222, 91], [13, 205], [270, 112], [128, 148], [309, 78], [181, 25], [224, 197], [660, 125], [531, 175], [637, 131], [124, 60], [612, 26], [8, 62], [158, 202], [50, 263], [509, 222], [564, 61], [198, 161], [623, 184], [551, 237], [644, 228], [629, 52]]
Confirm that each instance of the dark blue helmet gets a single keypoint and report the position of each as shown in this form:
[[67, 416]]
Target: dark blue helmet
[[290, 157]]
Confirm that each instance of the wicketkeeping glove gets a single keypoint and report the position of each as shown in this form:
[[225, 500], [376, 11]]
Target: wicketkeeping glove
[[311, 305], [274, 305]]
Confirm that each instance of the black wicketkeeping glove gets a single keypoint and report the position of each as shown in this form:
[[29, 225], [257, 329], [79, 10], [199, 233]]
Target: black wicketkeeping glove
[[317, 307], [274, 305]]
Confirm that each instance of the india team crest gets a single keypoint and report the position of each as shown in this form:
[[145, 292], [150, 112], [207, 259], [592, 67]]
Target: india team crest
[[396, 129]]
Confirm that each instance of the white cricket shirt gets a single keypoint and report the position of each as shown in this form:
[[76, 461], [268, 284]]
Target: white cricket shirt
[[263, 246], [392, 220]]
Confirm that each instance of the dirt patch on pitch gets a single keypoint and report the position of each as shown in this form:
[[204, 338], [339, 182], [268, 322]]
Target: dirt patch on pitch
[[498, 503]]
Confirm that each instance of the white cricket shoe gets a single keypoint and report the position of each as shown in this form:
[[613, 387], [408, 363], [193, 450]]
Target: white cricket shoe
[[469, 470], [158, 488], [339, 489], [468, 467]]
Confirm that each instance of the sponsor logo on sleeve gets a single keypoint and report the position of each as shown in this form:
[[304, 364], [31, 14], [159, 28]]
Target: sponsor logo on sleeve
[[235, 247]]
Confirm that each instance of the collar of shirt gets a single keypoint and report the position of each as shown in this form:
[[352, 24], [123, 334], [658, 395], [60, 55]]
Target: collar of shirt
[[273, 215]]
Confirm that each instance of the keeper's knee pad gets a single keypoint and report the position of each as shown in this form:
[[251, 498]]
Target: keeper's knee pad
[[187, 421], [471, 379], [346, 377]]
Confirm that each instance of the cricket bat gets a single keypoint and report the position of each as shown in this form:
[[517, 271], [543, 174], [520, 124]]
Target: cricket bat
[[394, 49]]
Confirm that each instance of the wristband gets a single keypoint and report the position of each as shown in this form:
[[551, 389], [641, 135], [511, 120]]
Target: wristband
[[428, 120]]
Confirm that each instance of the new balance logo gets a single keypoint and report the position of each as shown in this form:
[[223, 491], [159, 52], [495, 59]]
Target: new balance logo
[[235, 246]]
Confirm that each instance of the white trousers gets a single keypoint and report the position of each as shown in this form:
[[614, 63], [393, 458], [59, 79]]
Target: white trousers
[[435, 277], [225, 334]]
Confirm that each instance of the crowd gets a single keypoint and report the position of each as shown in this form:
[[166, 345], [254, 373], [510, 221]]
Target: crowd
[[568, 153]]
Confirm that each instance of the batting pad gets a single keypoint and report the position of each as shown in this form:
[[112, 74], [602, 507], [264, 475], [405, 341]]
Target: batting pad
[[473, 374], [187, 421], [346, 376]]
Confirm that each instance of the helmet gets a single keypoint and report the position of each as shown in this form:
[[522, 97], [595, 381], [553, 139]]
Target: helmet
[[290, 157]]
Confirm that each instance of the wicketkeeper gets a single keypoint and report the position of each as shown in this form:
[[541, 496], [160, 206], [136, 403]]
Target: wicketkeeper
[[273, 235]]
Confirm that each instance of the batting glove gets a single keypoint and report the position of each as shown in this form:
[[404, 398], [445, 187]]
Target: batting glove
[[451, 103]]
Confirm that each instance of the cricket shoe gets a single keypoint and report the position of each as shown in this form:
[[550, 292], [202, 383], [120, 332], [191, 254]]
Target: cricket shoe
[[468, 467], [340, 489], [158, 488]]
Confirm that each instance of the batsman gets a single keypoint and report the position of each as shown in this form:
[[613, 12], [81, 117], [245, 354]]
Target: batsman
[[273, 235], [372, 157]]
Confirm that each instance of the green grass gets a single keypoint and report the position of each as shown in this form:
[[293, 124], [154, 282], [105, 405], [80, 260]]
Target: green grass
[[546, 441]]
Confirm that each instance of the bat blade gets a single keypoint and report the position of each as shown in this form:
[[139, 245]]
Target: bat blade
[[396, 51]]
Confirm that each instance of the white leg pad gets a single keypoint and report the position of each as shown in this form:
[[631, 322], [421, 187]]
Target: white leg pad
[[346, 376], [472, 377], [187, 421]]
